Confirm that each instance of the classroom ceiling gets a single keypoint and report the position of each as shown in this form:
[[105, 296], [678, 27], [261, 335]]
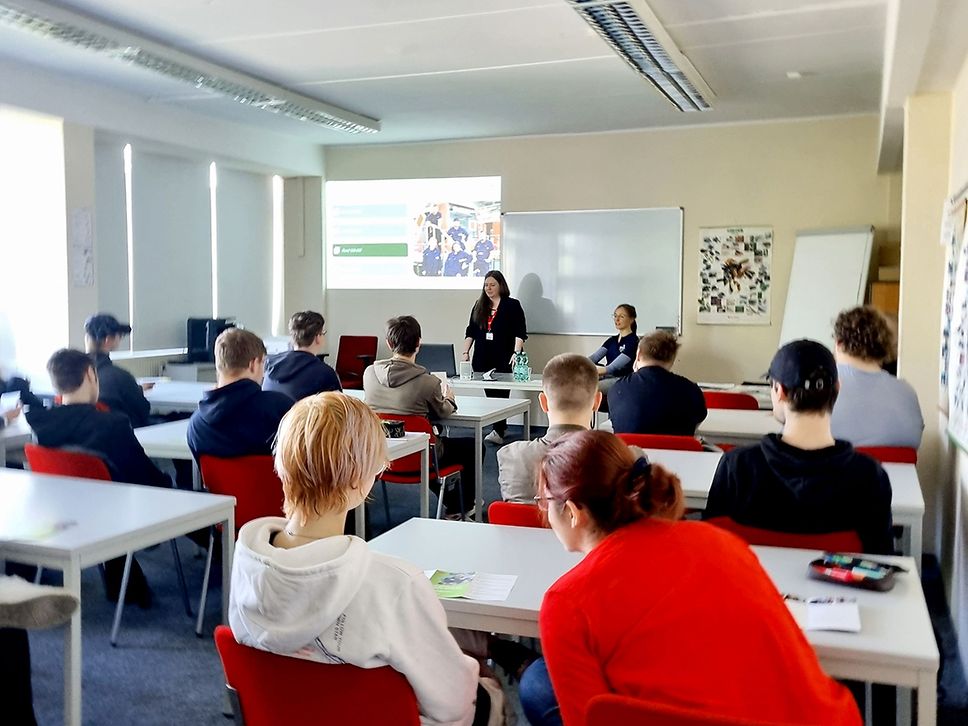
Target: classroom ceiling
[[448, 69]]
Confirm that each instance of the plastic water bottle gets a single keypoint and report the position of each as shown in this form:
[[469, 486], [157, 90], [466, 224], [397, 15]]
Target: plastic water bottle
[[520, 370]]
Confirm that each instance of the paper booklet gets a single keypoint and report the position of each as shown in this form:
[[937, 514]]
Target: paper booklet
[[825, 613], [471, 585]]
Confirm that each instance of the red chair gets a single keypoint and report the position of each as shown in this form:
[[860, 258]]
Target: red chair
[[722, 399], [407, 469], [610, 709], [844, 541], [890, 454], [515, 514], [84, 465], [253, 482], [662, 441], [355, 353], [269, 689]]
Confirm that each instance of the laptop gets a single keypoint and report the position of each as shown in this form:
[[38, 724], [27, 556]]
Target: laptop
[[437, 358]]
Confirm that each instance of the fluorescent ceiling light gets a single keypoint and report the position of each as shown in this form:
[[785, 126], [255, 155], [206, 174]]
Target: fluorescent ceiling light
[[56, 23], [633, 31]]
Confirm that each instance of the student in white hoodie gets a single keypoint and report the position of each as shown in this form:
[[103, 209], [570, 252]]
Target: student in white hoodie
[[301, 587]]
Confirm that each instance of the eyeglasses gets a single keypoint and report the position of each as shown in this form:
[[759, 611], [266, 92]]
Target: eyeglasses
[[542, 502]]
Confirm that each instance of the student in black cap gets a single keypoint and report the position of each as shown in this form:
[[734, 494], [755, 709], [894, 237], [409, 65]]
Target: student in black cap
[[299, 372], [803, 481], [119, 390]]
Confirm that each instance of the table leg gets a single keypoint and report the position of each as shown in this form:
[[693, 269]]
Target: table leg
[[902, 712], [425, 482], [527, 424], [916, 543], [927, 698], [228, 544], [72, 649], [3, 455], [196, 477], [478, 472]]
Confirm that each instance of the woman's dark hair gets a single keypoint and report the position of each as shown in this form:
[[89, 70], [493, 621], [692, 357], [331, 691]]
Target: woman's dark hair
[[482, 308], [305, 326], [864, 333], [630, 311], [597, 471]]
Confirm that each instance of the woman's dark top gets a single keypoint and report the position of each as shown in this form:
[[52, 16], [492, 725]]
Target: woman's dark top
[[619, 354], [508, 324]]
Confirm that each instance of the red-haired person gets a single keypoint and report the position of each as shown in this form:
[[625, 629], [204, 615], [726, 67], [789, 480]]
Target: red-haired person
[[667, 611]]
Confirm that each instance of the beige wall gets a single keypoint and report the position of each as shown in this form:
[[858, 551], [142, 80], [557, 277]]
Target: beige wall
[[79, 185], [791, 175], [303, 234]]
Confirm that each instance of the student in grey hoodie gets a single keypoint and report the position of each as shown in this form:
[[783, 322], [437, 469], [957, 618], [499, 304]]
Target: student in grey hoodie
[[300, 587], [398, 385], [299, 372]]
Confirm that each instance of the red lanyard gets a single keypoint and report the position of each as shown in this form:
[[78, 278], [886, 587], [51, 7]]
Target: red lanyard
[[490, 319]]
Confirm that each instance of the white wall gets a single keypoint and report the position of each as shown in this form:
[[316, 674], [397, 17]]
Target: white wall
[[791, 175]]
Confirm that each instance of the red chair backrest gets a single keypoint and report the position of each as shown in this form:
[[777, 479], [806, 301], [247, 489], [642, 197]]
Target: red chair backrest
[[890, 454], [349, 365], [251, 480], [61, 462], [415, 425], [722, 399], [611, 709], [662, 441], [279, 689], [516, 514], [829, 541]]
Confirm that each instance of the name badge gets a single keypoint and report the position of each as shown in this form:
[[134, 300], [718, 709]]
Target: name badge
[[488, 336]]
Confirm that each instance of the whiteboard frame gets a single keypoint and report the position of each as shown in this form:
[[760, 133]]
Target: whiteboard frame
[[682, 215]]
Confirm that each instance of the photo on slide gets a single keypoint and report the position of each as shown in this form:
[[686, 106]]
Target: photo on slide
[[413, 233]]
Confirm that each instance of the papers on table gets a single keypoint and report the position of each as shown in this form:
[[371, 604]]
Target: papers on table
[[36, 531], [9, 401], [825, 613], [471, 585]]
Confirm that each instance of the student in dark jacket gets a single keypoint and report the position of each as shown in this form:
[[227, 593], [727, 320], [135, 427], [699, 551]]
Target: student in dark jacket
[[119, 390], [654, 400], [803, 481], [78, 424], [298, 372], [237, 418]]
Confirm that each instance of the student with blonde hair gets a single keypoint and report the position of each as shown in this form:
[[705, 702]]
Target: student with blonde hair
[[300, 587]]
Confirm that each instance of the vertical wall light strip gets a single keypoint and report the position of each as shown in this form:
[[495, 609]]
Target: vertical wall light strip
[[278, 255], [213, 195], [129, 232]]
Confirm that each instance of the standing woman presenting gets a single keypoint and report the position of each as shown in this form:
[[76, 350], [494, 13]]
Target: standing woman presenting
[[497, 330]]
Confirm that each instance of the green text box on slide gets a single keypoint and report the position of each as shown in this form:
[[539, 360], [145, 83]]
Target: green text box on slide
[[385, 249]]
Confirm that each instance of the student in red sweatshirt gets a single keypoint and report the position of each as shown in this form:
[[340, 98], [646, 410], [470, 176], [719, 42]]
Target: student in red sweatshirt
[[667, 611]]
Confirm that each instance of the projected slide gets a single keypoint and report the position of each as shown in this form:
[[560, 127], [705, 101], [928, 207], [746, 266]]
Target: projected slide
[[413, 234]]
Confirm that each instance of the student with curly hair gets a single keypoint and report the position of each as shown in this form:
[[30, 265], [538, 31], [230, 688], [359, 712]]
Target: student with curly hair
[[874, 408], [667, 611]]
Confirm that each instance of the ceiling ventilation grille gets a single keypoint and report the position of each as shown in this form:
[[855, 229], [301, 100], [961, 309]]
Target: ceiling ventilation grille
[[87, 34], [635, 41]]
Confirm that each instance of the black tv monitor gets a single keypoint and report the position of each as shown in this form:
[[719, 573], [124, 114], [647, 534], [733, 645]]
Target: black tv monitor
[[202, 333], [438, 358]]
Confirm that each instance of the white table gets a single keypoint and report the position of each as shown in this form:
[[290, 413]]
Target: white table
[[170, 441], [499, 382], [738, 427], [475, 412], [177, 396], [13, 437], [107, 520], [696, 469], [896, 645]]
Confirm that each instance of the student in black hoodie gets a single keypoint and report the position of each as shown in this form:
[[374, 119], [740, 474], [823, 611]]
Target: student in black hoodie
[[803, 481], [237, 418], [654, 400], [119, 390], [78, 424], [299, 373]]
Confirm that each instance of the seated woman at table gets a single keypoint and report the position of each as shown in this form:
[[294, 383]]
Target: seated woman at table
[[671, 612], [301, 587], [619, 350]]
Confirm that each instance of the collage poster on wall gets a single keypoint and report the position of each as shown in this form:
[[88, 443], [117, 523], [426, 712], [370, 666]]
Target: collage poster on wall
[[954, 322], [735, 275]]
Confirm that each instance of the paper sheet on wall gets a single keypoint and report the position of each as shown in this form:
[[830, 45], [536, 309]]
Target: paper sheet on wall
[[735, 275], [81, 243]]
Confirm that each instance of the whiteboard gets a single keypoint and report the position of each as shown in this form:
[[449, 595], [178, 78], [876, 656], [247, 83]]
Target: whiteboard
[[829, 274], [571, 269]]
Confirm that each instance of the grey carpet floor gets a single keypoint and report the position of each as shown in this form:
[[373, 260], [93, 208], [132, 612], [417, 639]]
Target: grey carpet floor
[[160, 673]]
